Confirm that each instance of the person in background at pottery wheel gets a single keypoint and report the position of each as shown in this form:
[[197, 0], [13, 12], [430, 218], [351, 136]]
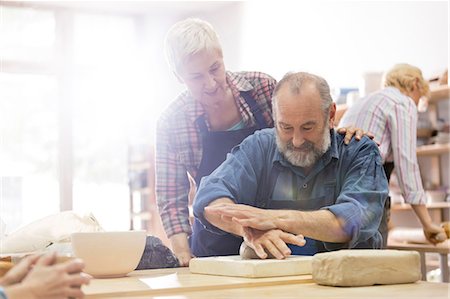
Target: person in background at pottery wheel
[[391, 114], [298, 181]]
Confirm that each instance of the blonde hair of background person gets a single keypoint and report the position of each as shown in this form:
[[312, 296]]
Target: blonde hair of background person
[[409, 80], [38, 277], [395, 126]]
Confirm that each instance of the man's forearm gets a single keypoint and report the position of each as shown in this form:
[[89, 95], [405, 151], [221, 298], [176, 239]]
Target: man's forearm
[[224, 223], [319, 225]]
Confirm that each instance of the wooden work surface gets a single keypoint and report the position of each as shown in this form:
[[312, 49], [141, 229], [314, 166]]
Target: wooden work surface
[[442, 248], [175, 281], [418, 290], [307, 290]]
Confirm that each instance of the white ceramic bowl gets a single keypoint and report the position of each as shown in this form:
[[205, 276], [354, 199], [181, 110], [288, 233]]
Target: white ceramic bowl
[[109, 254]]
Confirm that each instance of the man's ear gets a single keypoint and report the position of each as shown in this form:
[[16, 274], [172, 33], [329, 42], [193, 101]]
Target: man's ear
[[332, 115], [178, 77]]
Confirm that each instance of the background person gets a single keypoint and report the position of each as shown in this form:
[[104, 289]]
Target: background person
[[391, 115]]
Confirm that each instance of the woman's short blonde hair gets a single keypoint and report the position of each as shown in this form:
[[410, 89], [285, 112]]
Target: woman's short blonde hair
[[403, 76], [188, 37]]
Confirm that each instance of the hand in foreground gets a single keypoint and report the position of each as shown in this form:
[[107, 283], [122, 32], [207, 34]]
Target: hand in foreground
[[180, 247], [271, 241], [435, 234], [246, 216], [48, 280], [19, 271], [353, 131]]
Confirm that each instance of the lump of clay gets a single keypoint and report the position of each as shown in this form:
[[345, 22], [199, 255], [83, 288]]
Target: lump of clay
[[247, 253], [365, 267]]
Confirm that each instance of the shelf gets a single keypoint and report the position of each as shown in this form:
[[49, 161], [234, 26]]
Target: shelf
[[440, 92], [142, 215], [433, 149], [437, 93], [139, 165], [143, 190], [435, 205]]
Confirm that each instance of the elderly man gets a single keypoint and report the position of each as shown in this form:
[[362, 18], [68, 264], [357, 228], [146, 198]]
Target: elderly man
[[297, 182]]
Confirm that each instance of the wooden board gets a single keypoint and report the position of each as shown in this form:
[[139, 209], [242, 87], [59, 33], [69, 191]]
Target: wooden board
[[177, 281], [236, 266]]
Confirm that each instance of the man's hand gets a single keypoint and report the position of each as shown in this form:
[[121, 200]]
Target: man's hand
[[180, 247], [273, 241], [245, 215], [353, 131]]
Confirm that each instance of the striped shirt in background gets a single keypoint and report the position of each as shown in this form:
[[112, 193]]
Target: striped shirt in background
[[392, 117], [179, 144]]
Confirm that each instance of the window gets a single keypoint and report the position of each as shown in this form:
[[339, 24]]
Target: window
[[69, 85], [103, 95], [28, 152], [28, 116]]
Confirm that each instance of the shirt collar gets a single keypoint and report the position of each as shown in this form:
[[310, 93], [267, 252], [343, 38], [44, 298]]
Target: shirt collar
[[238, 82]]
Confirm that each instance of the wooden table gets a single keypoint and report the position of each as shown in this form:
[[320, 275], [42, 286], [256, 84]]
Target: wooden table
[[179, 283], [176, 281], [443, 249], [419, 290]]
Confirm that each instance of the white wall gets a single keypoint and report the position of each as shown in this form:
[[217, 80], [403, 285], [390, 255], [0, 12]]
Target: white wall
[[336, 39], [342, 39]]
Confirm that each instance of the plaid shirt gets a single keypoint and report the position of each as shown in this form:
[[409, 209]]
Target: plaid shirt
[[179, 144]]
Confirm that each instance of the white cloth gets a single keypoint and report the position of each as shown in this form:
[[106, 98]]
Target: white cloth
[[39, 234]]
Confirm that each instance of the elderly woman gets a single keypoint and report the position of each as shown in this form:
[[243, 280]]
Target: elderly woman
[[217, 111], [391, 115]]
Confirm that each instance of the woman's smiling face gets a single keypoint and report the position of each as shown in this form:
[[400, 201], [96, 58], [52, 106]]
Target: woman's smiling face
[[204, 76]]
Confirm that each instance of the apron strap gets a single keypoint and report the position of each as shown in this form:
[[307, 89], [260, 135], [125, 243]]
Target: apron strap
[[388, 168], [201, 123], [255, 109]]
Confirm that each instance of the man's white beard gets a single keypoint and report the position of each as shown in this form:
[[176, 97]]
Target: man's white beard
[[307, 154]]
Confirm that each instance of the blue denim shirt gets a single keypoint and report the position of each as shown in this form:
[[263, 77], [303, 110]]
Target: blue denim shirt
[[348, 180]]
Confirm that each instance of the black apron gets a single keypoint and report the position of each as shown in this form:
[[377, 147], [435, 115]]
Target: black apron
[[388, 168], [216, 145]]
